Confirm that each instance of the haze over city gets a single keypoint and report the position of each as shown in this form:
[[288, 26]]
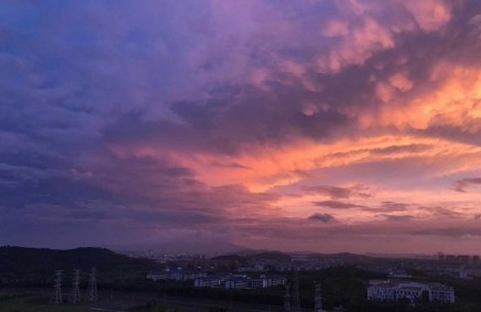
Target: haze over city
[[326, 125]]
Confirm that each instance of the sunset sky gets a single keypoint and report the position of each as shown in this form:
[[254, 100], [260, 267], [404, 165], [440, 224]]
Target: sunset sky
[[322, 125]]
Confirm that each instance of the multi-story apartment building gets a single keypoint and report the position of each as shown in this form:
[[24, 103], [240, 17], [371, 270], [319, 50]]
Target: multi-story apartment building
[[392, 291]]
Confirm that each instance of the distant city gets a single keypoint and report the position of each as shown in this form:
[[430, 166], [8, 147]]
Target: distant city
[[461, 266]]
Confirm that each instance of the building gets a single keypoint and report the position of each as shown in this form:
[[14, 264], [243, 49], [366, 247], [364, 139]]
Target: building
[[413, 292], [442, 293], [213, 281], [382, 291], [235, 281], [178, 275], [276, 280], [257, 283], [391, 291]]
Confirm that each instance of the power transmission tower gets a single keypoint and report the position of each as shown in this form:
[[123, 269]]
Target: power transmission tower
[[318, 298], [57, 288], [75, 296], [287, 299], [92, 294], [296, 302]]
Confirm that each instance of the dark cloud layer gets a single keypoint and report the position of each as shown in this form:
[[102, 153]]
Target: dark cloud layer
[[336, 204], [322, 217], [403, 218], [461, 185], [336, 192]]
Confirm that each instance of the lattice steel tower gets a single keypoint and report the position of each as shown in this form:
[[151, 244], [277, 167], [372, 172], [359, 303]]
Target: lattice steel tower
[[318, 298], [296, 302], [57, 288], [75, 295], [287, 299], [92, 294]]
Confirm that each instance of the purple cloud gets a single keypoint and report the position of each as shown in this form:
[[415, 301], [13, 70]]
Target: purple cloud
[[461, 185], [336, 192], [336, 204], [322, 217], [403, 218], [107, 105]]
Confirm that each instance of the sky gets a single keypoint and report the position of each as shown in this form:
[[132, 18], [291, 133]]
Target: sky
[[309, 125]]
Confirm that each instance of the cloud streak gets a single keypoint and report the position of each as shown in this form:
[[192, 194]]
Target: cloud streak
[[336, 204]]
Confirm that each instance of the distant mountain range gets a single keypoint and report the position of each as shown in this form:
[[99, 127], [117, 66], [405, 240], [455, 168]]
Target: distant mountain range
[[195, 246]]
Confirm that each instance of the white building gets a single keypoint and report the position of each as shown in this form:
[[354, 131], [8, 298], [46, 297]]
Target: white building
[[178, 275], [231, 281], [382, 291], [413, 292], [210, 281], [442, 293], [237, 282], [257, 283]]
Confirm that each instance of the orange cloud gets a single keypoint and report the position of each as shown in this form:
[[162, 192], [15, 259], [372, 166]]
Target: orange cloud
[[430, 14], [266, 167], [454, 101], [401, 82]]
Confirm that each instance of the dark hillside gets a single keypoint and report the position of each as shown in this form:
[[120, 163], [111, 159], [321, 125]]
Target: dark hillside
[[19, 265], [272, 256]]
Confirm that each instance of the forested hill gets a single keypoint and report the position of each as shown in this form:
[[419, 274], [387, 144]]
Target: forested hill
[[20, 261]]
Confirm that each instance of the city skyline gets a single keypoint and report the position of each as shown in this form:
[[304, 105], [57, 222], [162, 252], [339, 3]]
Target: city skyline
[[315, 125]]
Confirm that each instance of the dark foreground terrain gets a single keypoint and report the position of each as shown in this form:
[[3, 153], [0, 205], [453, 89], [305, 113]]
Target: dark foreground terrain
[[26, 280]]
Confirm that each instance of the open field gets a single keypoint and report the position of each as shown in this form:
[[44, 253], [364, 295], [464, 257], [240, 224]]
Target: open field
[[17, 300], [28, 304], [20, 306]]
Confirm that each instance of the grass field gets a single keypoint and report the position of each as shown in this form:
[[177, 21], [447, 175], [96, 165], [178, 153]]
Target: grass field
[[22, 305], [128, 302], [32, 301], [18, 301]]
